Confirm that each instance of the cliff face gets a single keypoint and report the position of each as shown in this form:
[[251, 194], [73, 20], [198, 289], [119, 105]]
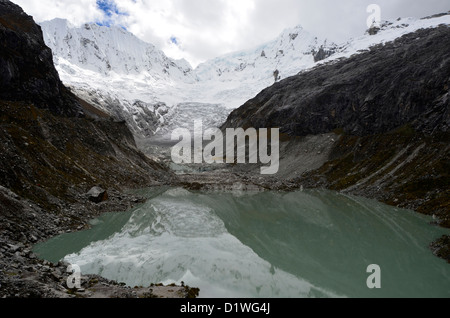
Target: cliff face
[[403, 82], [26, 63]]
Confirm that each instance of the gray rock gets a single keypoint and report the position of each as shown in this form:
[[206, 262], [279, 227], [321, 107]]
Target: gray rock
[[97, 195], [13, 248], [323, 53]]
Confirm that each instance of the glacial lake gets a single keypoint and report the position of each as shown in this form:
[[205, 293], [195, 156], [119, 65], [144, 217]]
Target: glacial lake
[[261, 245]]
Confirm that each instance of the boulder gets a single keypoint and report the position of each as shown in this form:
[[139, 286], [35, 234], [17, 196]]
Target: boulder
[[97, 195]]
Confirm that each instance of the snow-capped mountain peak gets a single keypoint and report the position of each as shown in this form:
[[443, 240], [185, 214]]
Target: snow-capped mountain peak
[[107, 50], [388, 31], [294, 50], [135, 81]]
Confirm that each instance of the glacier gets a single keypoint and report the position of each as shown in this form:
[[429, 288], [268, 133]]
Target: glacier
[[134, 81]]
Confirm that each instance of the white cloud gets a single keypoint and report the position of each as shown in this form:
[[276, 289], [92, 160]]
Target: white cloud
[[208, 28], [76, 11], [204, 28]]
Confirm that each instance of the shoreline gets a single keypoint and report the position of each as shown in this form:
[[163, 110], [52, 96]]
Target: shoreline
[[24, 275]]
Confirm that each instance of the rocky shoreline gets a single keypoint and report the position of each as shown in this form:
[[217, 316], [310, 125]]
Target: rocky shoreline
[[24, 275]]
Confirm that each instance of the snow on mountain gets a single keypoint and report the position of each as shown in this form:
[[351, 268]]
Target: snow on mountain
[[242, 75], [294, 49], [115, 71], [134, 81], [386, 32], [108, 50]]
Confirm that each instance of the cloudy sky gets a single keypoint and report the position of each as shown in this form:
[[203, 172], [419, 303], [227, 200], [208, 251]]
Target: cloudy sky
[[198, 30]]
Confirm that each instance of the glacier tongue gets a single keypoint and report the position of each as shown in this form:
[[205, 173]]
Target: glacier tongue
[[134, 81]]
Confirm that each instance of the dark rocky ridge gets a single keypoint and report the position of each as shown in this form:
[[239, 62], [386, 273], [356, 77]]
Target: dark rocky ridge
[[406, 81], [28, 73], [47, 158], [389, 112]]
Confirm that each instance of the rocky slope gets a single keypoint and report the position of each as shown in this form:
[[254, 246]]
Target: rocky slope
[[388, 114], [53, 149], [27, 66], [405, 81]]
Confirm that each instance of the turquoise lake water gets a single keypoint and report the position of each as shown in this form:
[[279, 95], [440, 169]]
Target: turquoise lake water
[[261, 245]]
